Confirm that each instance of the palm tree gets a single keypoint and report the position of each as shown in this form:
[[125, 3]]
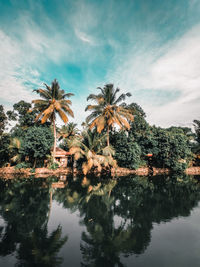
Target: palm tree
[[53, 101], [91, 148], [14, 147], [68, 131], [107, 112]]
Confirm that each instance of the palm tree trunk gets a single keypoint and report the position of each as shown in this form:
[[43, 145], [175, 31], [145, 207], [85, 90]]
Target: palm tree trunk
[[34, 164], [108, 141], [54, 133]]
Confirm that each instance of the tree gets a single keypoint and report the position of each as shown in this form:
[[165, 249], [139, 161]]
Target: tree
[[92, 150], [3, 120], [14, 147], [4, 138], [37, 143], [68, 131], [127, 151], [197, 135], [23, 118], [107, 112], [171, 150], [4, 149], [53, 101]]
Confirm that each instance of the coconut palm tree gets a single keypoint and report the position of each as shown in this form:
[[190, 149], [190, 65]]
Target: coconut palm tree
[[91, 148], [14, 147], [53, 101], [68, 131], [107, 112]]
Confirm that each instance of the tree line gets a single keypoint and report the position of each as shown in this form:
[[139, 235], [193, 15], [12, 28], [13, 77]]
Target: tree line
[[114, 134]]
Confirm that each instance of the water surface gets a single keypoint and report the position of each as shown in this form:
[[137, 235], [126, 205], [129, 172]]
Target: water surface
[[76, 221]]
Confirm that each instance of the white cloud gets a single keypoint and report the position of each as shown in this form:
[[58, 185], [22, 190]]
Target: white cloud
[[172, 67], [12, 85], [84, 37], [25, 50]]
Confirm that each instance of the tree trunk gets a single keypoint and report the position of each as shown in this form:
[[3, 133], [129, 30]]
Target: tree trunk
[[34, 164], [54, 133], [108, 141]]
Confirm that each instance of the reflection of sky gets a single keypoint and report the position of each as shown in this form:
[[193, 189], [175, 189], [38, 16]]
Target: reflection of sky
[[173, 244], [150, 48], [70, 252]]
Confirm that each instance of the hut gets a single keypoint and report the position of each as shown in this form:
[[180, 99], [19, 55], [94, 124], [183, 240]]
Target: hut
[[62, 157]]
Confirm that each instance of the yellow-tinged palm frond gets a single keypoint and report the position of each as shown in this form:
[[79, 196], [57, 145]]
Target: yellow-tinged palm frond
[[63, 115], [53, 101], [124, 122], [107, 112], [78, 155], [85, 168], [90, 163], [15, 143], [88, 154], [47, 113]]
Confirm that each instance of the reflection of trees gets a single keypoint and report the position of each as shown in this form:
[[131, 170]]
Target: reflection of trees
[[24, 206], [119, 215], [39, 249]]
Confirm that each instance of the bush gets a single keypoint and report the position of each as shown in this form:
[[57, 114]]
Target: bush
[[54, 166], [127, 152], [23, 165]]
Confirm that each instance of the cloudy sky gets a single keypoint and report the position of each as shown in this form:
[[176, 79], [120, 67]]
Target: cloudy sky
[[150, 48]]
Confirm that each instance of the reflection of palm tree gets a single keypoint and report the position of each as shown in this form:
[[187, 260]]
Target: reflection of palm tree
[[53, 102], [39, 249], [24, 201], [107, 111]]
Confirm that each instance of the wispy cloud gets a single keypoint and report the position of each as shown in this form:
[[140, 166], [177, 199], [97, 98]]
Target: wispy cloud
[[141, 48], [174, 67], [85, 37]]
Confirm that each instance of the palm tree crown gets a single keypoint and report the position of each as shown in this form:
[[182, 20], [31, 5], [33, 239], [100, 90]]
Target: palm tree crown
[[53, 101], [68, 131], [107, 111], [90, 147]]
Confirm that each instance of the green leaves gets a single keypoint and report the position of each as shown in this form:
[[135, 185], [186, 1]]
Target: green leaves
[[37, 142]]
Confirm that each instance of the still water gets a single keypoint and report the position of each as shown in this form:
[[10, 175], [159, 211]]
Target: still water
[[76, 221]]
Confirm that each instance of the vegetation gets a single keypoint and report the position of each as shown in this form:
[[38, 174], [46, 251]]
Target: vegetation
[[107, 112], [114, 133], [92, 151], [53, 101], [37, 143]]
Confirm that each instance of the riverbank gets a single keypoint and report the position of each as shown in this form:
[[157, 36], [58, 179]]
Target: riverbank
[[10, 172]]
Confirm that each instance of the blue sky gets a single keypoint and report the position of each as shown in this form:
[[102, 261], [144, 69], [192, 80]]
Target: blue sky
[[150, 48]]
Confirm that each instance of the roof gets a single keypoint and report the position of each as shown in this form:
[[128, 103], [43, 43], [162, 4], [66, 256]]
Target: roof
[[61, 152]]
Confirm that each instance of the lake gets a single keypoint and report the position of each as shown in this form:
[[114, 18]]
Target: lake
[[79, 221]]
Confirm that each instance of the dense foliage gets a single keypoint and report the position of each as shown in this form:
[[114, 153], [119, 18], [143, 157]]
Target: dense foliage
[[171, 148], [37, 143], [128, 137]]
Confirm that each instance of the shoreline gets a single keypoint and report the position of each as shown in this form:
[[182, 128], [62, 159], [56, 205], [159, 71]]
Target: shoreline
[[10, 172]]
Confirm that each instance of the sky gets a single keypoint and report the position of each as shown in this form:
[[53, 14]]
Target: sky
[[150, 48]]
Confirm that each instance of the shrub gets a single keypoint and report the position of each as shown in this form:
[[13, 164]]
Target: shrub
[[54, 166], [127, 152], [23, 165]]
